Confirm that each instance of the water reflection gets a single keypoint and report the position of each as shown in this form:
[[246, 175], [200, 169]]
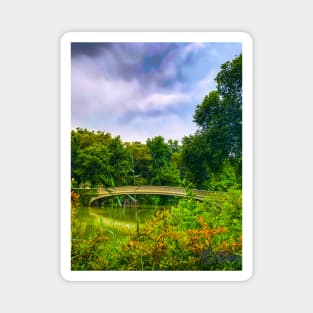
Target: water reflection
[[124, 215]]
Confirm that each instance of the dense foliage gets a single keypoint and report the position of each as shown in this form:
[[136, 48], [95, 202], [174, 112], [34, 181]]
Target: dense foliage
[[99, 159], [217, 144], [191, 236]]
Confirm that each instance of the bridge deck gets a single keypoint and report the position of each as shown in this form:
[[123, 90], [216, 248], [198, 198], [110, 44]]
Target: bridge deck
[[150, 190]]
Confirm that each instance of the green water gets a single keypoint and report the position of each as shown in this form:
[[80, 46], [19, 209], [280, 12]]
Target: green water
[[144, 213], [112, 215], [89, 219]]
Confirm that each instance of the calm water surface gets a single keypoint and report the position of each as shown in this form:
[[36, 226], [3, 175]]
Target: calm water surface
[[91, 217]]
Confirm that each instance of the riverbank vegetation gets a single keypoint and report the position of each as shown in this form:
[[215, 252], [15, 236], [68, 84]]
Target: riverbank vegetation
[[188, 235]]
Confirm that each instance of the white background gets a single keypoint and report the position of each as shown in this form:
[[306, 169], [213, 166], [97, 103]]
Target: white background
[[29, 155]]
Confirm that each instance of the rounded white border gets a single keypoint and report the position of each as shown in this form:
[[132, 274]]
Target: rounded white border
[[65, 166]]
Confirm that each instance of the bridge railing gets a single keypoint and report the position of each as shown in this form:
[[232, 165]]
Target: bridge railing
[[150, 189], [141, 188]]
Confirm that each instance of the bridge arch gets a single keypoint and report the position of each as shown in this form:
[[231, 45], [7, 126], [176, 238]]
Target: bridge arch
[[101, 193]]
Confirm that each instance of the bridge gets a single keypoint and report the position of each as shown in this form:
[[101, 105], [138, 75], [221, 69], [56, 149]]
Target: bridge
[[99, 193]]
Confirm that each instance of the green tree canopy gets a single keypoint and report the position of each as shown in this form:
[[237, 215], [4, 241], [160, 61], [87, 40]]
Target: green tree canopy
[[219, 121], [163, 171]]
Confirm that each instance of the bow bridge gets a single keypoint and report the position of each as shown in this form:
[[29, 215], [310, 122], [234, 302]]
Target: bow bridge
[[99, 193]]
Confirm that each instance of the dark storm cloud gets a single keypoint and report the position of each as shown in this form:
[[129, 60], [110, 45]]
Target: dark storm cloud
[[152, 64], [88, 49]]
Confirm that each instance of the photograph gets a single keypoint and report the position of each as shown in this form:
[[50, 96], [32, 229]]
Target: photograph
[[156, 156]]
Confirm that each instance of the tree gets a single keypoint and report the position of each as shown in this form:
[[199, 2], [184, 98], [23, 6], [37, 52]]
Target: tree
[[210, 113], [159, 151], [174, 146], [219, 121], [220, 113], [94, 166], [229, 86], [194, 159], [90, 156], [120, 162], [163, 171], [141, 162]]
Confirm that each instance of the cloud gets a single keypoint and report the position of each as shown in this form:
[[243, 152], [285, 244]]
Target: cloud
[[139, 129], [139, 90]]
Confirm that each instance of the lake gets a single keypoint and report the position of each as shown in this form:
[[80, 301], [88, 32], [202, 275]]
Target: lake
[[109, 218]]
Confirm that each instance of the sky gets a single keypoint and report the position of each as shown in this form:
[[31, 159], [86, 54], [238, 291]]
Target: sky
[[143, 90]]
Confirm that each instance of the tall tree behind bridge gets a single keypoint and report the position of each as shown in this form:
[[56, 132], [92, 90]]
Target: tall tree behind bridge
[[219, 121]]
